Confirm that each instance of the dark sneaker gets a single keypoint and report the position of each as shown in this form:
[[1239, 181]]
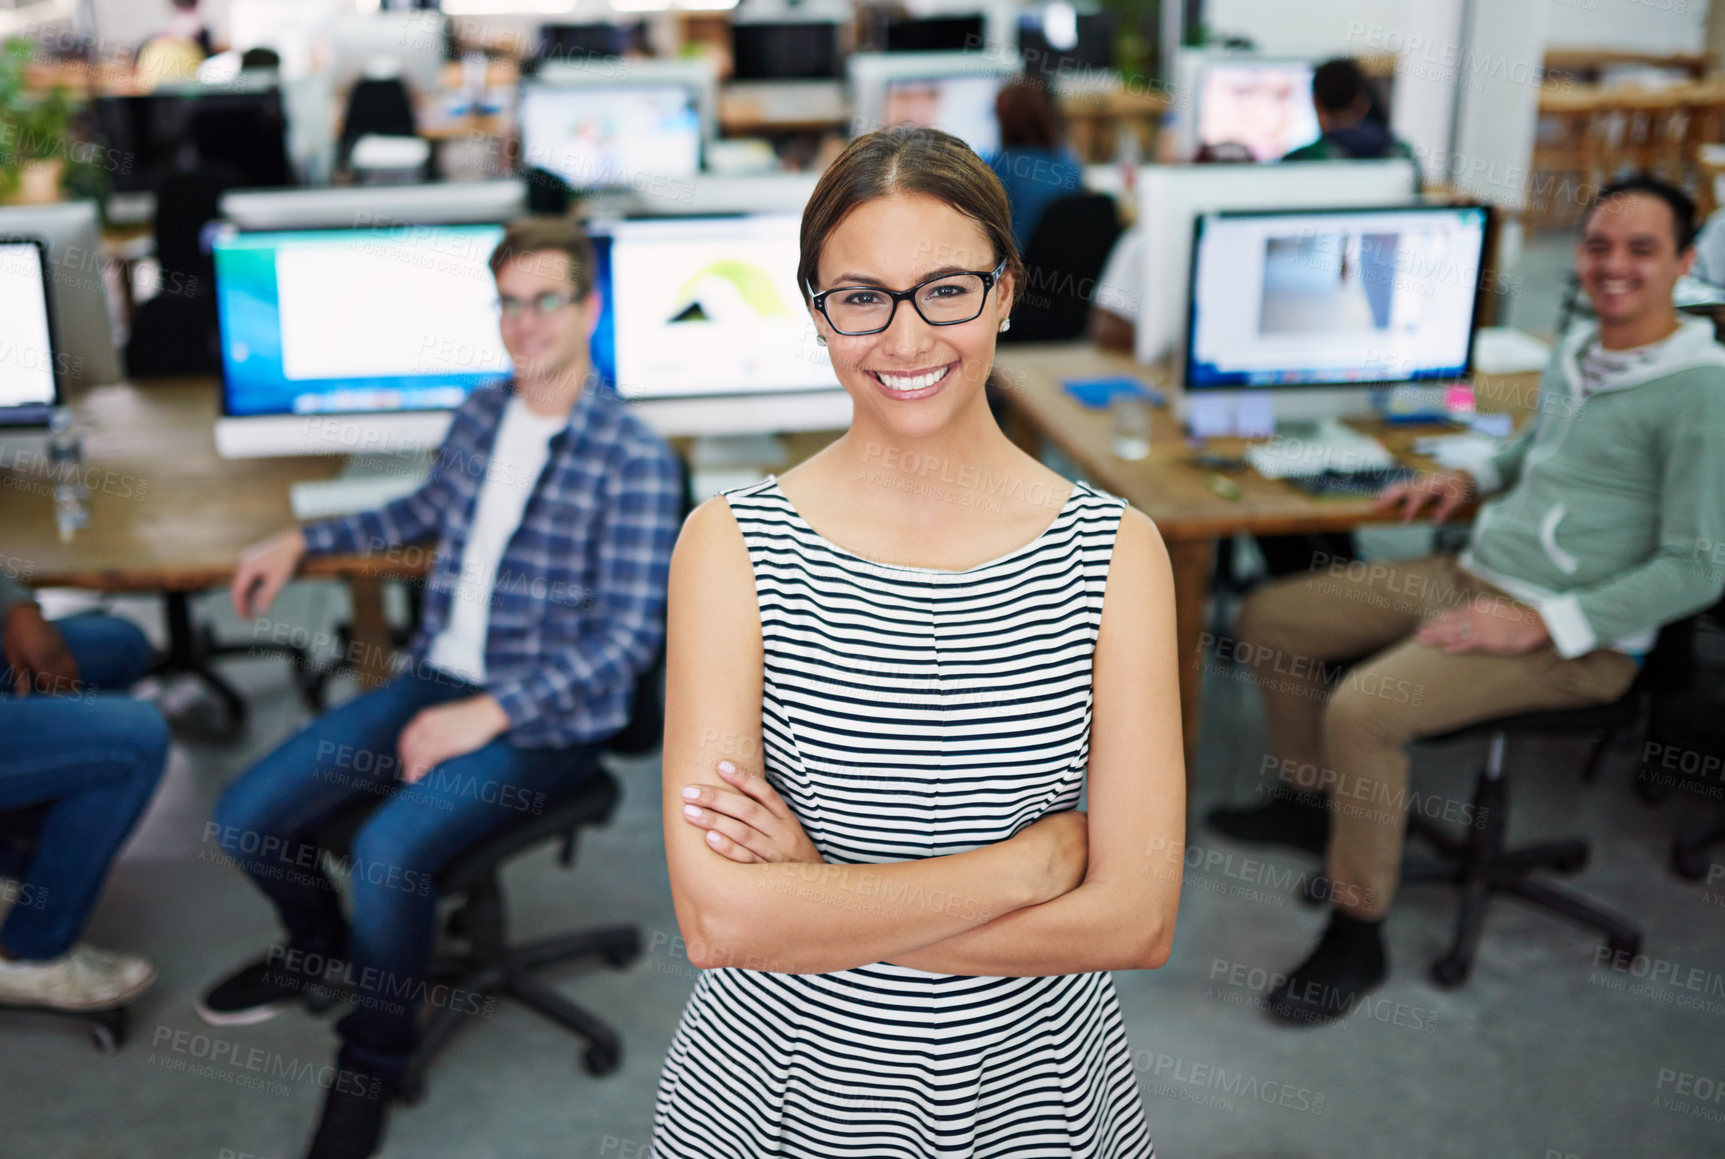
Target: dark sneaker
[[260, 990], [1348, 963], [355, 1113], [1298, 821]]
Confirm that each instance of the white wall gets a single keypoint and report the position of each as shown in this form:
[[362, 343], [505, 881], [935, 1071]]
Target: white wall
[[1628, 25]]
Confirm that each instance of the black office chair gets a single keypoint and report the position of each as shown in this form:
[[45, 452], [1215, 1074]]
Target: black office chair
[[1062, 260], [492, 965], [375, 107]]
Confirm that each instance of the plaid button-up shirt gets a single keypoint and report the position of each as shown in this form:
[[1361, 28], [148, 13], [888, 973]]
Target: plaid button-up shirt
[[577, 609]]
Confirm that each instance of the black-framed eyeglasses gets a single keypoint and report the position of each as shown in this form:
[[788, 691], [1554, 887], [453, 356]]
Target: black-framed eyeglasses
[[547, 303], [947, 300]]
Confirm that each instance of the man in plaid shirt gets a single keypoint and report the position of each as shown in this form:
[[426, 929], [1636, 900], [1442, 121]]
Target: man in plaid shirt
[[555, 510]]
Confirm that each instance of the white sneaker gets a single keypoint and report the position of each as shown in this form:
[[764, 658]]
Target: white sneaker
[[83, 978]]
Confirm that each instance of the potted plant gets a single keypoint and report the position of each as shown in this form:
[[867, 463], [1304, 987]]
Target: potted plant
[[39, 155]]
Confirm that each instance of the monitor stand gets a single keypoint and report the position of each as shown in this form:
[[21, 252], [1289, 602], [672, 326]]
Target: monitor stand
[[721, 462], [366, 482]]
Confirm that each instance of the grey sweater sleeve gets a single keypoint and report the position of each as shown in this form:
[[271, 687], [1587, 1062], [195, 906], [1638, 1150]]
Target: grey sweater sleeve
[[12, 593]]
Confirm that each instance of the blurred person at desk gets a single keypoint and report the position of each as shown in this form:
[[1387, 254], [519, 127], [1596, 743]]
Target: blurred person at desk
[[1597, 532], [89, 759], [1033, 163], [1351, 122], [554, 510]]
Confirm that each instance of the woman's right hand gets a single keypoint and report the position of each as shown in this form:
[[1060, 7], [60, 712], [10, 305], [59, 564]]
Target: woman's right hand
[[1058, 853], [264, 569]]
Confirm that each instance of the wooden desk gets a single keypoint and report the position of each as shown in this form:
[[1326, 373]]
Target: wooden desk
[[1172, 492], [167, 513]]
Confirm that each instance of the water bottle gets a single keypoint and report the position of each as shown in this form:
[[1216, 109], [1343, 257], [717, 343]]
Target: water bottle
[[66, 468]]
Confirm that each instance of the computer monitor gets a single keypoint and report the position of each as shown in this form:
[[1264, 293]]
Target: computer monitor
[[1171, 196], [785, 50], [441, 202], [1058, 39], [609, 137], [1295, 299], [946, 33], [238, 126], [77, 288], [579, 41], [30, 363], [393, 324], [951, 91], [413, 40], [699, 76], [1262, 103], [704, 329]]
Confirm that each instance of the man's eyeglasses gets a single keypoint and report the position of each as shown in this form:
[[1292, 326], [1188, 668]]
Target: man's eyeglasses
[[539, 304], [944, 301]]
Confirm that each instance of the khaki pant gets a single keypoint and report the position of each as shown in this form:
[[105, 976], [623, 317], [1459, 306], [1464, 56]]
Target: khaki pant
[[1350, 742]]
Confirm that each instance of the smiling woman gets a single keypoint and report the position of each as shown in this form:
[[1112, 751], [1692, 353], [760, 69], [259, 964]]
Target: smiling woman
[[884, 699]]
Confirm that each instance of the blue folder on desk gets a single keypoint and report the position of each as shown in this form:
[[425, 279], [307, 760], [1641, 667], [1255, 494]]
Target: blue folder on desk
[[1097, 393]]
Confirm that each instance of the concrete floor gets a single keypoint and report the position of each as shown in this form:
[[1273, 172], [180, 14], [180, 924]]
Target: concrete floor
[[1543, 1055]]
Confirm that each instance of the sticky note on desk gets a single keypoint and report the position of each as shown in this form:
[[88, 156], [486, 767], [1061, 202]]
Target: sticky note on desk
[[1097, 393]]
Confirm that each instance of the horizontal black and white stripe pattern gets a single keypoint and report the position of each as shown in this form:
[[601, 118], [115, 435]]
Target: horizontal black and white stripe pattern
[[911, 713]]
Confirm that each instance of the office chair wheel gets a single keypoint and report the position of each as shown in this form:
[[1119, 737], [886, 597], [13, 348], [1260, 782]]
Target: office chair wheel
[[618, 957], [600, 1060], [1571, 863], [108, 1029], [1688, 862], [1628, 947], [1448, 972]]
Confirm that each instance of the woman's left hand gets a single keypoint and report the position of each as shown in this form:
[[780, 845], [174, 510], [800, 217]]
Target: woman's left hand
[[747, 820]]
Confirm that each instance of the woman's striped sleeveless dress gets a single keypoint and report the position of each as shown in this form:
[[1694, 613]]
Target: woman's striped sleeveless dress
[[909, 713]]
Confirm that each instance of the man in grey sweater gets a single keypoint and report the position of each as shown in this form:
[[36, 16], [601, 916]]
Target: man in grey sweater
[[1599, 524]]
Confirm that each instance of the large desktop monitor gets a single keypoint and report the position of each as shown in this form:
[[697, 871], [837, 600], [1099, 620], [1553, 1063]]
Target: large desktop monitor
[[956, 32], [1058, 39], [393, 320], [414, 41], [150, 136], [951, 91], [1261, 103], [704, 329], [1171, 196], [77, 287], [607, 137], [580, 41], [785, 49], [29, 364], [1294, 299]]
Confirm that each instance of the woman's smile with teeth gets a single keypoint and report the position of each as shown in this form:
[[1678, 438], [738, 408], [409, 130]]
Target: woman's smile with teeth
[[912, 381]]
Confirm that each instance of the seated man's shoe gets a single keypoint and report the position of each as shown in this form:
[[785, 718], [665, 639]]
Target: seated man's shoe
[[1348, 963], [260, 990], [1297, 820], [355, 1113], [83, 978]]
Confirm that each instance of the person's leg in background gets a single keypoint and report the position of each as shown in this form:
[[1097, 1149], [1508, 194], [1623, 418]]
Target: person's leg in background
[[262, 820], [112, 654], [1293, 636], [1411, 691], [394, 862], [95, 760]]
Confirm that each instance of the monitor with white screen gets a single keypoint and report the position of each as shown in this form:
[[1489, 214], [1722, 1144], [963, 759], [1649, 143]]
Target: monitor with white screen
[[413, 41], [77, 285], [1303, 298], [368, 322], [1263, 103], [697, 75], [29, 384], [598, 138], [1171, 196], [705, 330], [951, 91]]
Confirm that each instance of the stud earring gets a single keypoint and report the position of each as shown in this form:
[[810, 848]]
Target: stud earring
[[820, 339], [1005, 325]]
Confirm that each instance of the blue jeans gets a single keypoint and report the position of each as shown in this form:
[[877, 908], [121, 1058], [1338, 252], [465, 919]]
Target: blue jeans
[[94, 758], [267, 822]]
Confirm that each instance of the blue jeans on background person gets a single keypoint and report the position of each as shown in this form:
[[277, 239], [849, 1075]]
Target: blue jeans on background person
[[96, 755], [264, 819]]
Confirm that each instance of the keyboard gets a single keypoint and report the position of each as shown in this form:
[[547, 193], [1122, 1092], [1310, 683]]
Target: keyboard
[[1359, 483]]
